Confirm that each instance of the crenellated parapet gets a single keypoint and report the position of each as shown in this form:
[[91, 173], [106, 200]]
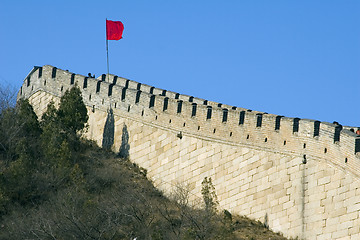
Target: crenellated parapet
[[203, 118]]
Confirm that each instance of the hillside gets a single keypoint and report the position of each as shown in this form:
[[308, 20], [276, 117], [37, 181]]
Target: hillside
[[114, 200], [56, 185]]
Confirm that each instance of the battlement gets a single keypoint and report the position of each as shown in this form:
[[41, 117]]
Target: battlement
[[262, 163], [197, 116]]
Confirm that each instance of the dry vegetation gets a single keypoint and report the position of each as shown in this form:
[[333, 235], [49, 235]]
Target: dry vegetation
[[55, 185]]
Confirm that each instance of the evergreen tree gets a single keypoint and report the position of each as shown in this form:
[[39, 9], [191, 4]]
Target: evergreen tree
[[17, 179], [209, 196], [72, 111], [37, 158]]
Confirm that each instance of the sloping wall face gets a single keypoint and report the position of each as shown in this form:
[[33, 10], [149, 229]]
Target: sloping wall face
[[299, 176]]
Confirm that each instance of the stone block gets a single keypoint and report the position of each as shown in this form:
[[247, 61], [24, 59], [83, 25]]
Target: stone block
[[341, 234], [353, 208]]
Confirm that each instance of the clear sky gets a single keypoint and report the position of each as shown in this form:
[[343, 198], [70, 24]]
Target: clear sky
[[297, 58]]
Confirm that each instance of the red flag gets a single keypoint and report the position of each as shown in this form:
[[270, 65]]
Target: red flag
[[114, 30]]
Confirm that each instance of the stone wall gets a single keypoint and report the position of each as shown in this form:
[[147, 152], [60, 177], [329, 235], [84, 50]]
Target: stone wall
[[302, 175]]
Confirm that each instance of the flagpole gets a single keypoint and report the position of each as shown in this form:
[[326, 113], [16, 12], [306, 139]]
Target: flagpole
[[114, 30], [107, 55]]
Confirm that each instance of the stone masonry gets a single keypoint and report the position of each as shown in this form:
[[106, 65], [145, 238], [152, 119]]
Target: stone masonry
[[302, 175]]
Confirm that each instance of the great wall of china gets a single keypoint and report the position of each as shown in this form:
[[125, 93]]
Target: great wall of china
[[301, 176]]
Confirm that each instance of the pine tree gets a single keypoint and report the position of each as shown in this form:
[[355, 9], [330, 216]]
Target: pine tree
[[72, 112]]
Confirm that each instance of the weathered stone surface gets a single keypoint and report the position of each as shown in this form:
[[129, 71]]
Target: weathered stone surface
[[291, 170]]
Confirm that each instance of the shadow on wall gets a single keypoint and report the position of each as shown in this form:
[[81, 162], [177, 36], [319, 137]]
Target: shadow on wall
[[109, 129], [124, 147]]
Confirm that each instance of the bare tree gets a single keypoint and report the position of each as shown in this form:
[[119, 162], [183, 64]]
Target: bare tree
[[7, 97]]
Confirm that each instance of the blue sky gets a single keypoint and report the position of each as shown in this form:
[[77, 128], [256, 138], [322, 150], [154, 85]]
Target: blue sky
[[292, 58]]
